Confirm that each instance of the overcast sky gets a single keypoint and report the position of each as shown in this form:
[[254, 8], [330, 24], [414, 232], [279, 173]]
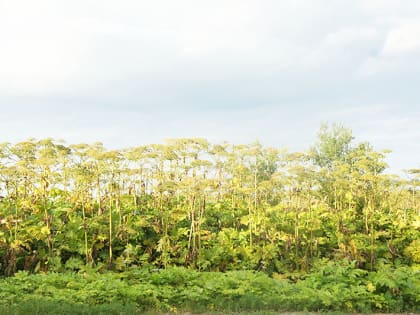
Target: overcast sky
[[134, 72]]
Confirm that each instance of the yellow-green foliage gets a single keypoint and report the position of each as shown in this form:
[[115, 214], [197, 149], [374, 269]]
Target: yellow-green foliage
[[214, 207]]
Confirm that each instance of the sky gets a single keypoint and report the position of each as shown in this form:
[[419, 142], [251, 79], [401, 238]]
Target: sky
[[135, 72]]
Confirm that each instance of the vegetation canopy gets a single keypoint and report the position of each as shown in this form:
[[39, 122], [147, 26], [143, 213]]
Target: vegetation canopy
[[215, 207]]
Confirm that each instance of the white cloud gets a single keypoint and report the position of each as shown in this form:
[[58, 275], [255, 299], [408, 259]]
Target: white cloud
[[400, 52], [403, 40], [39, 51], [350, 35]]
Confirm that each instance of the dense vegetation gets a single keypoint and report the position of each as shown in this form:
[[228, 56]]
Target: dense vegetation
[[298, 217], [333, 286]]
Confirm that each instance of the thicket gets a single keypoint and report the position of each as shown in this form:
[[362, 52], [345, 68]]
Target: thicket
[[207, 207]]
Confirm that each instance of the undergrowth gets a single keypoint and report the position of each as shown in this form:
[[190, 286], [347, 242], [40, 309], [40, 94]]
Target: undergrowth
[[331, 287]]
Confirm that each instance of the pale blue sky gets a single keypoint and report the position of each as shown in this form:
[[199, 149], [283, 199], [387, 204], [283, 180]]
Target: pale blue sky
[[136, 72]]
